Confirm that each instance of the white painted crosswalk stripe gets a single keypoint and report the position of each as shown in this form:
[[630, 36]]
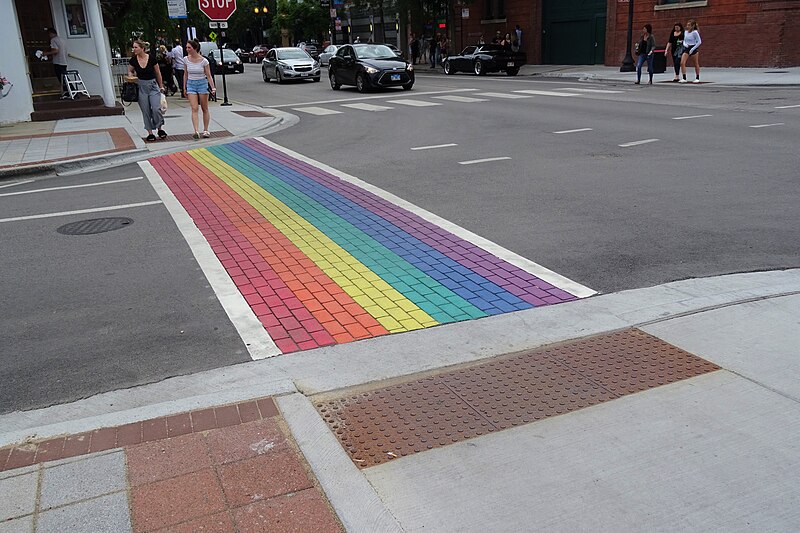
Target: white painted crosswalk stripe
[[434, 147], [367, 107], [487, 160], [574, 131], [316, 110], [587, 90], [464, 99], [691, 116], [787, 106], [544, 93], [413, 103], [503, 95], [767, 125], [637, 143]]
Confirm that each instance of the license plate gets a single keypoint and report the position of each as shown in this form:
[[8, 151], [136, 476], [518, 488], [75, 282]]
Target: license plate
[[395, 77], [304, 74], [510, 64]]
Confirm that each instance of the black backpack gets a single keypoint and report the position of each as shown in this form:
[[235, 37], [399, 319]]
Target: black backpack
[[129, 92]]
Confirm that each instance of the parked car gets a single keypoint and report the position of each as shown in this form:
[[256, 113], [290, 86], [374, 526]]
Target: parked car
[[258, 53], [289, 63], [485, 58], [231, 61], [394, 49], [369, 66], [325, 56]]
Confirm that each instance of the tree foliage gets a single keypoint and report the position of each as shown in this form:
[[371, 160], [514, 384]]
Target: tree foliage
[[303, 20]]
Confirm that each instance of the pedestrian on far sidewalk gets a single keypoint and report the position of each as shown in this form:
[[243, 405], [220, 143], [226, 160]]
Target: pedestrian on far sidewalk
[[198, 81], [164, 59], [675, 48], [178, 65], [691, 50], [414, 49], [434, 49], [646, 47], [151, 86]]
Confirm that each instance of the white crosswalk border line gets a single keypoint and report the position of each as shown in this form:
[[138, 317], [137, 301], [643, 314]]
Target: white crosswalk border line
[[316, 110], [544, 93], [587, 90], [367, 107], [503, 95]]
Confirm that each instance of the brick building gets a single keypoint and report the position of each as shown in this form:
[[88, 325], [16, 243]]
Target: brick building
[[736, 33]]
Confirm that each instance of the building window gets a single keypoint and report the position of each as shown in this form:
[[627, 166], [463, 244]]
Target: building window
[[75, 15], [679, 4], [495, 9]]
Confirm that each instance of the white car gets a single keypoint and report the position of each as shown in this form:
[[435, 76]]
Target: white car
[[282, 64], [325, 56]]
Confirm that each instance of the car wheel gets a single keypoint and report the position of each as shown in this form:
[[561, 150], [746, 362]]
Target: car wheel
[[332, 77], [408, 86], [278, 75], [264, 75], [361, 83], [512, 71], [479, 68], [447, 68]]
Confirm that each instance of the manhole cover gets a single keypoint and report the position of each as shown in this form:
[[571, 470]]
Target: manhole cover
[[95, 225]]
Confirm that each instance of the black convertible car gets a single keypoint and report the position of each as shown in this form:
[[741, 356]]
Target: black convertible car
[[369, 66], [485, 58]]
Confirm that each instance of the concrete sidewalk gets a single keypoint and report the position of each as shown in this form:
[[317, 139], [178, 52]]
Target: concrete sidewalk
[[702, 435], [764, 77], [32, 148]]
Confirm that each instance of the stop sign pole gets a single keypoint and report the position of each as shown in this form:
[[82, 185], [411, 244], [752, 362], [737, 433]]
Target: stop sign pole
[[219, 11]]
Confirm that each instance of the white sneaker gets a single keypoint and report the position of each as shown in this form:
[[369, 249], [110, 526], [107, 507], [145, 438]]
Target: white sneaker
[[683, 80], [696, 80]]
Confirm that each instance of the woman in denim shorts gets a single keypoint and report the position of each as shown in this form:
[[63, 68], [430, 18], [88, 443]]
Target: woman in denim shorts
[[196, 83]]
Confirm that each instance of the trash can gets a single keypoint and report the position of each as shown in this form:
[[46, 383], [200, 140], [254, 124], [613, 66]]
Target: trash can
[[659, 62]]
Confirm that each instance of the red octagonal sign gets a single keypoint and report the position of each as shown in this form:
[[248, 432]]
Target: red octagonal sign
[[217, 9]]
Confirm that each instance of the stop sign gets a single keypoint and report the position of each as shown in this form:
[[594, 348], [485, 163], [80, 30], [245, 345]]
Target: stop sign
[[217, 9]]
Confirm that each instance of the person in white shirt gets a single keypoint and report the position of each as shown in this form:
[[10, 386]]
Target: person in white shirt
[[178, 64], [691, 50], [197, 85], [59, 52]]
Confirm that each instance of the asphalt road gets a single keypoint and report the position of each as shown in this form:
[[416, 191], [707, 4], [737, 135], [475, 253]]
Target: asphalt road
[[707, 193]]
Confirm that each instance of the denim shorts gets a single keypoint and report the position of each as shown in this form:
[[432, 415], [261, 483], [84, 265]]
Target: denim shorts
[[197, 86]]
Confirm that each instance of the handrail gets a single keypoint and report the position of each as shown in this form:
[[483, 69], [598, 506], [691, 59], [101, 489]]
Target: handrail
[[79, 58]]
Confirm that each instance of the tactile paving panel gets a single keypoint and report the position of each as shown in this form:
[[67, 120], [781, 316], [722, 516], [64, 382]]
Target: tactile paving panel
[[382, 424]]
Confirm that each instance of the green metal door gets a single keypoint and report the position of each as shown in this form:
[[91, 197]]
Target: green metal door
[[571, 30]]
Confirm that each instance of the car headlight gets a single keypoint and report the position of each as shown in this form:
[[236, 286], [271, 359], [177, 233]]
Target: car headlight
[[371, 70], [238, 61], [409, 67]]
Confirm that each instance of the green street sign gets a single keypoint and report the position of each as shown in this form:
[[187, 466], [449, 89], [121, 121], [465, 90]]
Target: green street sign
[[212, 36]]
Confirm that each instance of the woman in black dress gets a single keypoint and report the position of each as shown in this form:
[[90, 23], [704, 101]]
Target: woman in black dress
[[151, 86], [675, 48]]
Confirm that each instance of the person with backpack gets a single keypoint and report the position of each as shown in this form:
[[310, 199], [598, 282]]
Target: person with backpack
[[645, 48]]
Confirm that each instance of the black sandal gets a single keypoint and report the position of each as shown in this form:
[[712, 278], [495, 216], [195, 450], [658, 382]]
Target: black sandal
[[162, 134], [150, 138]]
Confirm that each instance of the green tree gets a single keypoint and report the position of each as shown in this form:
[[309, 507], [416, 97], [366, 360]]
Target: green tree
[[303, 20]]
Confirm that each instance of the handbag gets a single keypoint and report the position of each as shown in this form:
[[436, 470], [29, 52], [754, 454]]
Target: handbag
[[163, 104], [129, 91]]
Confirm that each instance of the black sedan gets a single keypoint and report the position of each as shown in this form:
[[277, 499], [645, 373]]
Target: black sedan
[[231, 61], [369, 66], [485, 58]]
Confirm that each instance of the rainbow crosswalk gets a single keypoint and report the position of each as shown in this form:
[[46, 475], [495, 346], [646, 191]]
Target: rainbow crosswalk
[[322, 261]]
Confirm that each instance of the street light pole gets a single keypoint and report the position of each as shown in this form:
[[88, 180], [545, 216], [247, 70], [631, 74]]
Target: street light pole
[[627, 63]]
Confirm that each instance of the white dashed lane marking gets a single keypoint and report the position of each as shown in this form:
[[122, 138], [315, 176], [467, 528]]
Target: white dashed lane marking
[[456, 98], [787, 106], [433, 147], [71, 186], [413, 103], [637, 143], [573, 131], [368, 107], [487, 160], [767, 125], [691, 116], [319, 111]]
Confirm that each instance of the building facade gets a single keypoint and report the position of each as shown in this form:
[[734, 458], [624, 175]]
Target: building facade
[[79, 24], [736, 33]]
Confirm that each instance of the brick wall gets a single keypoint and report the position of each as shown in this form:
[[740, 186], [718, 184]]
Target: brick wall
[[736, 33]]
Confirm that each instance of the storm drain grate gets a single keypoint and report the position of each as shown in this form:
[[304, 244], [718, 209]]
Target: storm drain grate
[[379, 425], [252, 114], [95, 225]]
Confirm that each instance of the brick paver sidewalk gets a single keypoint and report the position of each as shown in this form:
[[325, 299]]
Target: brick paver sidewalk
[[233, 468]]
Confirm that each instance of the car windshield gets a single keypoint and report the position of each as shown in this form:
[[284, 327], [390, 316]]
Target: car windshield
[[375, 51], [491, 47], [227, 53], [292, 54]]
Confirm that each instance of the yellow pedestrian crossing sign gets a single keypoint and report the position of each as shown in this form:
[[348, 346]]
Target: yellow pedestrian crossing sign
[[212, 36]]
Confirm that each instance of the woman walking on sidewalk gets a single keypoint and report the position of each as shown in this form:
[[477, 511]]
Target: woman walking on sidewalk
[[691, 49], [151, 85], [647, 46], [675, 47], [196, 86]]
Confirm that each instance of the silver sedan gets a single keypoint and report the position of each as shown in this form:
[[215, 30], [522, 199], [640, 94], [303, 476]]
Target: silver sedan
[[282, 64], [325, 56]]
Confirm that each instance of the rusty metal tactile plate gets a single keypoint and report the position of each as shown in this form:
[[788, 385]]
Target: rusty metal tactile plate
[[382, 424]]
